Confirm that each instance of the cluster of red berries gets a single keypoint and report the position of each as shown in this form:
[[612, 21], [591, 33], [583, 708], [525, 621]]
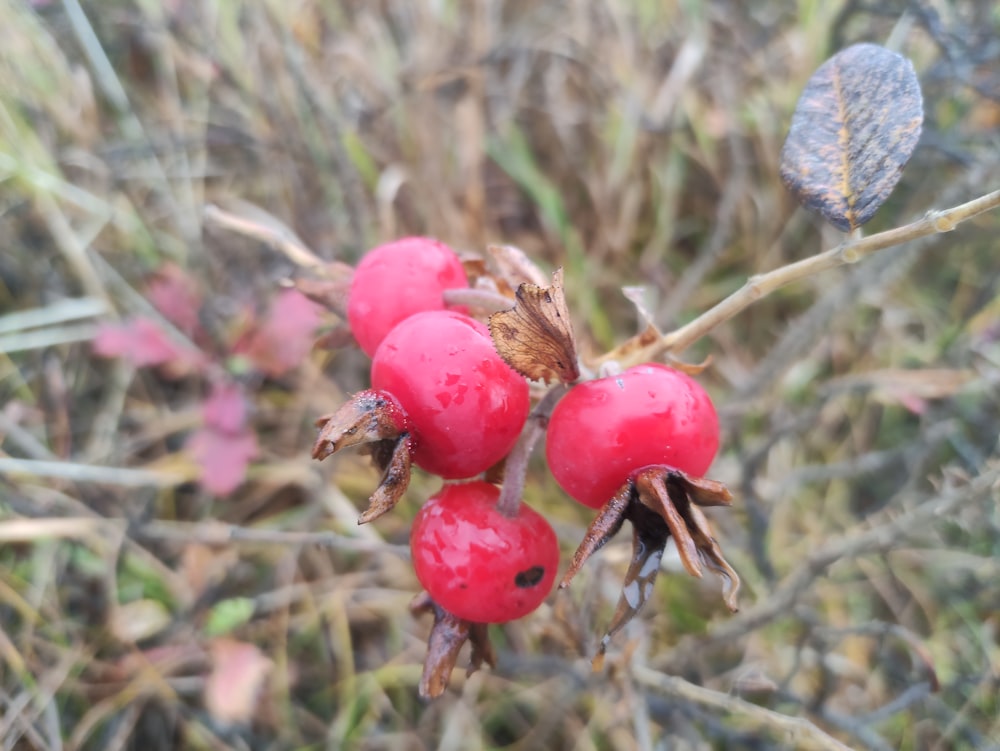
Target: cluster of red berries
[[443, 398]]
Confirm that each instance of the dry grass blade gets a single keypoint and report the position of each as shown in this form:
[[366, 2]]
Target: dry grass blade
[[253, 222]]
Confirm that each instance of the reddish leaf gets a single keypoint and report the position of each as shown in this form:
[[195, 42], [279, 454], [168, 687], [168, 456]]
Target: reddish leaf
[[285, 337], [238, 673], [854, 128], [223, 458], [176, 296], [143, 343], [225, 409]]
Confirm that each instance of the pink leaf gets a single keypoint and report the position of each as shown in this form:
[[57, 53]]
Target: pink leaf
[[238, 673], [285, 337], [143, 343], [225, 409], [176, 296], [223, 458]]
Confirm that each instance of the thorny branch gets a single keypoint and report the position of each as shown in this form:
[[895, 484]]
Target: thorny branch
[[883, 535], [851, 251]]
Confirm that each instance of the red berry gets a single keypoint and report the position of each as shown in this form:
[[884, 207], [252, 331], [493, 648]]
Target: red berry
[[477, 563], [464, 406], [396, 280], [602, 431]]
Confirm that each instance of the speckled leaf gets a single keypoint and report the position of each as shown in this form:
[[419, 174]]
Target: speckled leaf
[[853, 130]]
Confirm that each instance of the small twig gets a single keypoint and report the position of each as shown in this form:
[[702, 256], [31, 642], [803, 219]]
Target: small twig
[[217, 533], [52, 336], [282, 239], [800, 732], [881, 536], [850, 251], [118, 476], [27, 530], [70, 309]]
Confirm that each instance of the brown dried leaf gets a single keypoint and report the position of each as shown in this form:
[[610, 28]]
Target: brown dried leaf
[[535, 337], [853, 130]]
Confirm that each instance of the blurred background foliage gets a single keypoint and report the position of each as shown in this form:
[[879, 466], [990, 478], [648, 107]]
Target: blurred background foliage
[[633, 142]]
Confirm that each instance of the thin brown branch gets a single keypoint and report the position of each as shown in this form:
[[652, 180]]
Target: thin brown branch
[[218, 533], [796, 732], [266, 229], [851, 251], [882, 535]]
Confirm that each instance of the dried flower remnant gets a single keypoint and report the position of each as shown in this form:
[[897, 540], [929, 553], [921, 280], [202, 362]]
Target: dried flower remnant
[[661, 503], [370, 419], [447, 636]]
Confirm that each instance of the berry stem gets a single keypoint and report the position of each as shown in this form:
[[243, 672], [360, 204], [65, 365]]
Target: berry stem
[[516, 469]]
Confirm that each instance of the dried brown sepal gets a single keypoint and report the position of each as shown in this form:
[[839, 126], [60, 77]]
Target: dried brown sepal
[[652, 493], [372, 420], [515, 267], [711, 556], [395, 478], [673, 494], [660, 503], [535, 337], [605, 526], [853, 130], [624, 351], [701, 491], [332, 290], [689, 368], [649, 540], [444, 644], [368, 416], [338, 337]]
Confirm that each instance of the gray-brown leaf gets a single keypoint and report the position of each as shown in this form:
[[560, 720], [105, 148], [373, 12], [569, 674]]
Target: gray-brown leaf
[[853, 130]]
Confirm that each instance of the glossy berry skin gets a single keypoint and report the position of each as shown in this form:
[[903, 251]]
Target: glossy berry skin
[[396, 280], [464, 406], [604, 430], [477, 563]]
